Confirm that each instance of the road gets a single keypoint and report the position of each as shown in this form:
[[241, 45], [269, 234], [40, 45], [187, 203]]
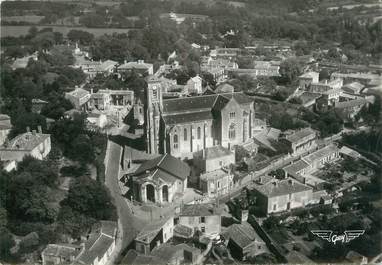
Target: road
[[126, 218]]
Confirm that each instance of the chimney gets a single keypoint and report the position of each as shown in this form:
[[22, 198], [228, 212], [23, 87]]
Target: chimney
[[91, 91], [303, 180], [260, 180], [244, 216], [34, 132], [28, 129], [141, 61], [39, 129], [124, 62]]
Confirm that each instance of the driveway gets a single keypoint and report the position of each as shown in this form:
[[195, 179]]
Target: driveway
[[127, 222]]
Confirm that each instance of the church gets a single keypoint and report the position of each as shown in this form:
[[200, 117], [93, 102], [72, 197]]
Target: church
[[182, 126]]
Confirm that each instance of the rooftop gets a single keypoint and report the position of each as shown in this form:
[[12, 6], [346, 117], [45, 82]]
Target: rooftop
[[78, 93], [321, 153], [300, 135], [65, 251], [214, 152], [167, 252], [167, 164], [148, 233], [281, 187], [296, 167], [242, 234], [205, 209], [27, 141], [214, 175], [137, 65]]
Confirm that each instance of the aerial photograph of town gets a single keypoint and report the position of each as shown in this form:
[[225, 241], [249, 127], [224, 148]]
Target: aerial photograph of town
[[197, 132]]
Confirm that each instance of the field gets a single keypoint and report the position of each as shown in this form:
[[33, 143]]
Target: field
[[16, 31]]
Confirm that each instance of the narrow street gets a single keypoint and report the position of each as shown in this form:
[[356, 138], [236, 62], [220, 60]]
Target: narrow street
[[126, 218]]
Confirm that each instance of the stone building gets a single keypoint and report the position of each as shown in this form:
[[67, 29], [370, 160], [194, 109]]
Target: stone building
[[212, 158], [5, 127], [182, 126], [194, 85], [282, 195], [36, 144], [159, 180], [201, 217], [79, 98], [216, 183], [301, 141], [140, 66]]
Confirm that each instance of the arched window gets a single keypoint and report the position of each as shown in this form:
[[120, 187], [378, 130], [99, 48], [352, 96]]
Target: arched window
[[185, 134], [175, 141], [199, 133], [231, 132]]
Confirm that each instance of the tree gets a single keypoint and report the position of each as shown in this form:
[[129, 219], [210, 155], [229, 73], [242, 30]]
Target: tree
[[90, 198], [80, 36], [290, 69], [6, 243], [27, 119], [82, 149]]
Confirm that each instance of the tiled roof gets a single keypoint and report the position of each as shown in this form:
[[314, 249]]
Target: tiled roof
[[296, 167], [184, 104], [99, 242], [27, 141], [137, 65], [243, 234], [187, 117], [183, 231], [214, 152], [148, 233], [281, 187], [323, 152], [306, 97], [205, 209], [78, 93], [214, 175], [167, 251], [167, 163], [65, 251], [300, 134]]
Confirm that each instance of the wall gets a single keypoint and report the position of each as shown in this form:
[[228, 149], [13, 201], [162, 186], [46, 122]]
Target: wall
[[212, 223]]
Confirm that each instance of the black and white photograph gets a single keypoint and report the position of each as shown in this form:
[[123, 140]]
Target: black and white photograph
[[190, 132]]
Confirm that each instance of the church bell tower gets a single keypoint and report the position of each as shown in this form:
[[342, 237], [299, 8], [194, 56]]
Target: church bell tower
[[153, 112]]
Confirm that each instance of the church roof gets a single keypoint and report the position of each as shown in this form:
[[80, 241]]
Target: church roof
[[165, 163], [187, 117], [198, 108]]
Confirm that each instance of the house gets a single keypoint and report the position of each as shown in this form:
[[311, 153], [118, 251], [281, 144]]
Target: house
[[36, 144], [348, 110], [99, 120], [307, 78], [282, 195], [266, 68], [159, 180], [308, 99], [96, 250], [56, 254], [99, 101], [216, 183], [166, 254], [301, 140], [119, 97], [140, 66], [243, 241], [79, 98], [353, 88], [319, 158], [204, 218], [106, 67], [194, 85], [213, 158], [218, 73], [100, 244], [154, 234], [37, 105], [5, 127], [23, 62]]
